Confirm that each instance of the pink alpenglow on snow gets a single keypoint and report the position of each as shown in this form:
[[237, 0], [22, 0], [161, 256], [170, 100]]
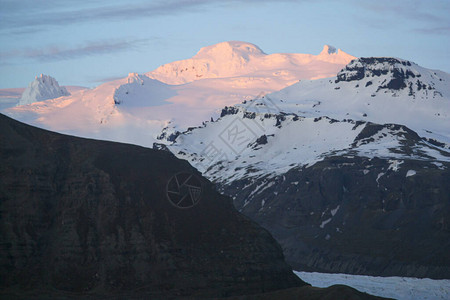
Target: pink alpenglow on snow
[[232, 59], [178, 95]]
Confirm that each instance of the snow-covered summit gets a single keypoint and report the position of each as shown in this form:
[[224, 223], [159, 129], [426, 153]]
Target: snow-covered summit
[[230, 49], [139, 90], [42, 88], [332, 55], [328, 49], [232, 59], [377, 89]]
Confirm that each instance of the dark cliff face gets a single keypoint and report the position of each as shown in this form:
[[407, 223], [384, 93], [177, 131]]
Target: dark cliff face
[[357, 215], [376, 66], [85, 217]]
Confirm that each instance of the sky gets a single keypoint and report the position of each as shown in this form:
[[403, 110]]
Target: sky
[[87, 43]]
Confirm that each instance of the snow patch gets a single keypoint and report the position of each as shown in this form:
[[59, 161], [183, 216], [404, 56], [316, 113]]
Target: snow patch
[[394, 165], [439, 165], [334, 211], [379, 176], [410, 173], [325, 223]]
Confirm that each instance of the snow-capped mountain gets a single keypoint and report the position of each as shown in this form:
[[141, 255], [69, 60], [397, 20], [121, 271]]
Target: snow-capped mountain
[[312, 119], [338, 167], [122, 110], [240, 59], [179, 95], [43, 87], [381, 90]]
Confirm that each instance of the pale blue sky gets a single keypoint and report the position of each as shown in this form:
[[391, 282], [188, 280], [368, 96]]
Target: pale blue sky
[[88, 42]]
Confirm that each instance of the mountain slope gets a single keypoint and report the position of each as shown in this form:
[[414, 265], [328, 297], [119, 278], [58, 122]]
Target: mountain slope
[[380, 90], [340, 192], [115, 110], [86, 218]]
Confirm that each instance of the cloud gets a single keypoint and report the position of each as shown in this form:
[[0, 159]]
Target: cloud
[[401, 9], [445, 30], [107, 79], [59, 13], [427, 17], [56, 53]]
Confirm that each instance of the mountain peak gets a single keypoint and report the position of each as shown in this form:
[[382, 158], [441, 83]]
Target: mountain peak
[[43, 87], [237, 58], [230, 48], [331, 54], [328, 49]]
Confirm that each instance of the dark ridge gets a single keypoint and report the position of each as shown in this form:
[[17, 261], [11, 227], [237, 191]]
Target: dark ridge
[[83, 218], [229, 111], [354, 71]]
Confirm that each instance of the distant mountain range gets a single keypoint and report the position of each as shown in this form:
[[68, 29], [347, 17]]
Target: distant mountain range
[[178, 95]]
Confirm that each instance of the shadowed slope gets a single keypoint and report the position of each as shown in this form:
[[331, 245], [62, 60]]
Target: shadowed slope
[[82, 217]]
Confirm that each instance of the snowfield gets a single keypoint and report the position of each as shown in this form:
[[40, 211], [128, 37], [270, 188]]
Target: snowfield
[[251, 142], [401, 288], [398, 92]]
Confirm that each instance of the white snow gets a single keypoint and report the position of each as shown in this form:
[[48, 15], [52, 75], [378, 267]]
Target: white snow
[[42, 88], [322, 225], [333, 213], [401, 288], [439, 165], [292, 142], [427, 111], [410, 173], [237, 59], [378, 177], [394, 164], [298, 142], [335, 210]]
